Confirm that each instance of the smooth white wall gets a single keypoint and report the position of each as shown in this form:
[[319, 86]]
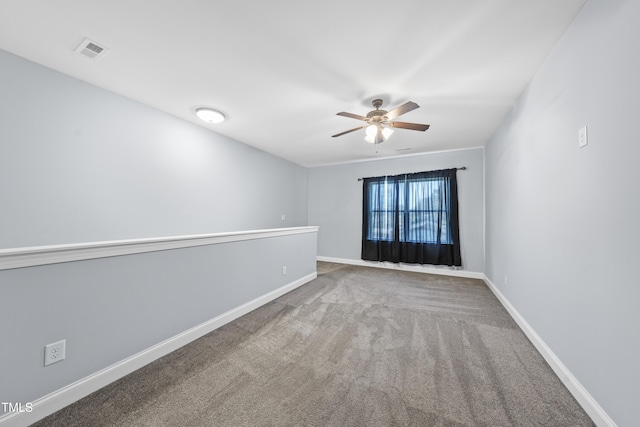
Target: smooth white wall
[[81, 164], [335, 201], [562, 221]]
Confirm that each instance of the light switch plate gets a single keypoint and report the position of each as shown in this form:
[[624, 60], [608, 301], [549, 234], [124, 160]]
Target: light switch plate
[[582, 137]]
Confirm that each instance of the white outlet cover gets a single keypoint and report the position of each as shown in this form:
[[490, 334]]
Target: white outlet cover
[[55, 352]]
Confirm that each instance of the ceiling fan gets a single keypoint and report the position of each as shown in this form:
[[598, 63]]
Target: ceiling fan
[[379, 122]]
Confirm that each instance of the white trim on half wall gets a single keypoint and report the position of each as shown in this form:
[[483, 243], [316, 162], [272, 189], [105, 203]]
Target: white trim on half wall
[[42, 255]]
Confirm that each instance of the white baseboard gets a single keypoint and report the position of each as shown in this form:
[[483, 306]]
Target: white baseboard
[[445, 271], [588, 403], [65, 396]]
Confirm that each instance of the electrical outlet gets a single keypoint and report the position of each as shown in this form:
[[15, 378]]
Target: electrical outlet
[[284, 270], [283, 217], [506, 280], [55, 352]]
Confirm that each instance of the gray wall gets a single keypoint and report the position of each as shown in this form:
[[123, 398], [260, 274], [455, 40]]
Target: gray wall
[[335, 201], [108, 309], [562, 222], [81, 164]]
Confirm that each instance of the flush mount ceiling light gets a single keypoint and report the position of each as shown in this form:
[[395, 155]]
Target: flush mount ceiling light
[[209, 115]]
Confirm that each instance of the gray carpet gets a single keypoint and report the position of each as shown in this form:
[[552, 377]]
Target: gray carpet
[[355, 347]]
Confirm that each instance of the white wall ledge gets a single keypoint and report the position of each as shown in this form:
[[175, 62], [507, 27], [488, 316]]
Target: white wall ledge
[[42, 255]]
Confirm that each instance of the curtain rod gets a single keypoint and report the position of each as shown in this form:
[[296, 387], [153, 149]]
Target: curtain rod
[[463, 168]]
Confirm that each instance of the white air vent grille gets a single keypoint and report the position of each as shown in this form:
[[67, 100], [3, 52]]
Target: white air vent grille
[[92, 50]]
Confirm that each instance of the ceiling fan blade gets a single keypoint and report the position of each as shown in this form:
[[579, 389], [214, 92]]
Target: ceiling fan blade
[[352, 116], [405, 125], [348, 131], [404, 108]]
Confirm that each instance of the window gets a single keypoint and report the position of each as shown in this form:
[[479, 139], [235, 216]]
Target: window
[[421, 206], [411, 218]]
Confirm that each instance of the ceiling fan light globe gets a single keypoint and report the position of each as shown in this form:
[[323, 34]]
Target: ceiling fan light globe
[[371, 131], [386, 133], [379, 138]]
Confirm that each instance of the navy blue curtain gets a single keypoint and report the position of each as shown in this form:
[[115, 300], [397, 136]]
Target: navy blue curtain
[[412, 218]]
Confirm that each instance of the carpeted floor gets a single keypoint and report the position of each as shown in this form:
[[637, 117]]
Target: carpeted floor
[[355, 347]]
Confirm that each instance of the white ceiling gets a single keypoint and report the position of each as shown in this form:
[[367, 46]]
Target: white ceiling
[[280, 70]]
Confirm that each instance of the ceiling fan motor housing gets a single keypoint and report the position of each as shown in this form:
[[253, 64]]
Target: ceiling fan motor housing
[[377, 116]]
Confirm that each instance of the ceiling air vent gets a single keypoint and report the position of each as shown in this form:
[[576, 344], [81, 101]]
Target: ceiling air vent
[[92, 50]]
